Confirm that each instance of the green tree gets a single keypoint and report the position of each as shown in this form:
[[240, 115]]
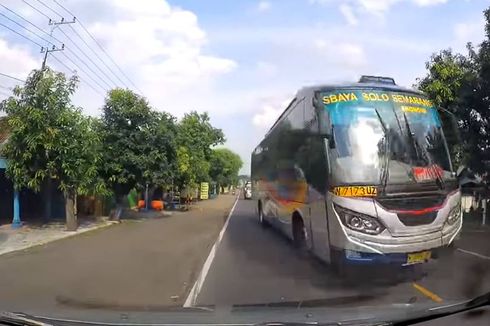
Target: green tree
[[51, 140], [195, 137], [225, 166], [139, 143], [461, 84]]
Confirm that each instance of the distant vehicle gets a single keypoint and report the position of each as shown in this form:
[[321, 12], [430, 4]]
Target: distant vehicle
[[360, 174], [247, 190]]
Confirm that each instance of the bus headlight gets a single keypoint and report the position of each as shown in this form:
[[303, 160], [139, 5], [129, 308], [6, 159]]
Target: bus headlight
[[454, 215], [359, 222]]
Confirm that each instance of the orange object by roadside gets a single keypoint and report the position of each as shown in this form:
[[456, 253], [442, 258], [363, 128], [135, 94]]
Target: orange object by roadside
[[141, 204], [157, 205]]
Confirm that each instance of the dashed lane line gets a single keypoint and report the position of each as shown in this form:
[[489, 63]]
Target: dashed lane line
[[429, 294], [473, 254]]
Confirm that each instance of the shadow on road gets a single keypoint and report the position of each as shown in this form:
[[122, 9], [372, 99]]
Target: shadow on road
[[254, 260]]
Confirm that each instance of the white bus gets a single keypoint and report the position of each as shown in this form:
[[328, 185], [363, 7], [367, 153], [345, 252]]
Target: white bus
[[360, 174]]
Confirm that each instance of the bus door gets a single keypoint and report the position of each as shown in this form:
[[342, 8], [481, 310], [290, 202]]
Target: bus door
[[317, 174]]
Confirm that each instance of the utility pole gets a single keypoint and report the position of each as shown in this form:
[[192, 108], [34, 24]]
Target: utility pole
[[46, 50]]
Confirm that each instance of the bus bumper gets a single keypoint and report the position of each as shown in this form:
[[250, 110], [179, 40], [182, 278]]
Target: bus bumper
[[352, 257]]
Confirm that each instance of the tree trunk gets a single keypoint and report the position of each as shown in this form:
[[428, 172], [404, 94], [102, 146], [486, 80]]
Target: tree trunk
[[70, 212], [48, 199]]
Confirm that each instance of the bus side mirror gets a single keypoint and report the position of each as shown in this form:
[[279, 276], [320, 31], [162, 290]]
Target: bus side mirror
[[450, 128], [329, 138]]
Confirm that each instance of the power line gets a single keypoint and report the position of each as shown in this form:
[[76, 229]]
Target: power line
[[64, 8], [101, 79], [27, 29], [71, 70], [88, 57], [12, 77], [97, 55], [32, 24], [51, 9], [27, 38], [76, 65], [99, 45], [82, 61], [107, 54], [39, 11]]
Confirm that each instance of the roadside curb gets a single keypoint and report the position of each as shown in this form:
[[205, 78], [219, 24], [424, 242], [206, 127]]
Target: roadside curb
[[65, 235]]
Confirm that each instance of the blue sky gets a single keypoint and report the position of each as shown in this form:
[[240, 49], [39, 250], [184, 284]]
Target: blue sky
[[243, 60]]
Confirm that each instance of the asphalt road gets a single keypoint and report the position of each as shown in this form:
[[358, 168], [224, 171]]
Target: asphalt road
[[147, 264], [255, 265]]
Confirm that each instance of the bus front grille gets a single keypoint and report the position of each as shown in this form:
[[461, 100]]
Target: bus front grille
[[417, 219], [411, 203]]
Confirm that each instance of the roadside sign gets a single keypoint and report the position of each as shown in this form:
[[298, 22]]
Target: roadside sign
[[204, 190]]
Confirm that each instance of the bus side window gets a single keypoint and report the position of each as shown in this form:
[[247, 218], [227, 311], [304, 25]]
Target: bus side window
[[311, 119], [295, 117], [313, 156]]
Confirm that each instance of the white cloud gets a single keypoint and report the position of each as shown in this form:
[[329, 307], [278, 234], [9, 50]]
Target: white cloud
[[350, 55], [159, 46], [266, 68], [162, 47], [376, 7], [464, 32], [470, 31], [348, 14], [263, 6], [270, 111], [424, 3], [16, 60], [267, 116]]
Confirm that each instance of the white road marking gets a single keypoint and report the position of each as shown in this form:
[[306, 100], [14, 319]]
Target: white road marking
[[474, 254], [190, 301]]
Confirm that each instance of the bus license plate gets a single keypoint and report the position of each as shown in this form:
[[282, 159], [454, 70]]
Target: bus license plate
[[418, 257], [355, 191]]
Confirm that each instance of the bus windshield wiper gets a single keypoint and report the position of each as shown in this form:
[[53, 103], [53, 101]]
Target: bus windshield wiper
[[416, 146], [386, 164], [413, 142], [9, 318]]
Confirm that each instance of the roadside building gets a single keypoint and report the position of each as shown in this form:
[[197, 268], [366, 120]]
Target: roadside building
[[24, 204]]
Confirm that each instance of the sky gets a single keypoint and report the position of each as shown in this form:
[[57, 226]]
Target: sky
[[241, 61]]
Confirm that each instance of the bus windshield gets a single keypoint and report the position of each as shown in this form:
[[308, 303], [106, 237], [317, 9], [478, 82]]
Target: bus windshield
[[385, 137]]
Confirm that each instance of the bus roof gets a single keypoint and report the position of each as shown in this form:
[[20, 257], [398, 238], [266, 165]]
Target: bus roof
[[383, 86]]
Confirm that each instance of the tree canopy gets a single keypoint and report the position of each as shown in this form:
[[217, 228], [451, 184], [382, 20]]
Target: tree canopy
[[130, 146], [50, 139], [195, 137], [139, 143], [460, 83], [225, 166]]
